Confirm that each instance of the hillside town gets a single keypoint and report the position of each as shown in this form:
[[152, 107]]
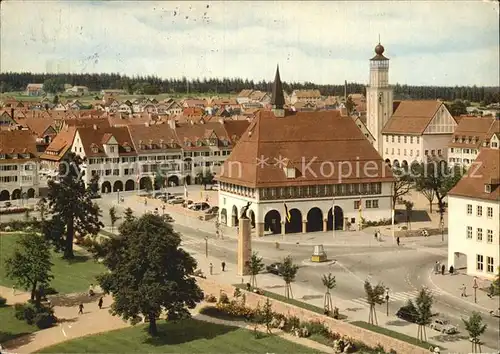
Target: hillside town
[[191, 216]]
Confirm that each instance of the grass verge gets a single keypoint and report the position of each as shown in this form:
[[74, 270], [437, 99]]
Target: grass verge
[[393, 334], [294, 302]]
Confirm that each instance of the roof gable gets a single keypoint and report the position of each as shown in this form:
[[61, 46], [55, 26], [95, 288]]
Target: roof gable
[[441, 123]]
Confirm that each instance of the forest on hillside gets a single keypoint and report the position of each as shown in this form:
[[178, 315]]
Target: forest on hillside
[[152, 85]]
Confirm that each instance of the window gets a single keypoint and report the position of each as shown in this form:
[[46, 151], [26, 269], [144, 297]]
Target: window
[[405, 139], [116, 172], [433, 152], [411, 140], [399, 139], [387, 138], [479, 234], [426, 152], [489, 212], [375, 203], [489, 265], [387, 150], [479, 262], [111, 149], [418, 152], [392, 152], [469, 209], [107, 172], [356, 204], [439, 152], [451, 150], [418, 140], [489, 238], [368, 204], [479, 210], [404, 152], [392, 138], [469, 231], [399, 151], [411, 152]]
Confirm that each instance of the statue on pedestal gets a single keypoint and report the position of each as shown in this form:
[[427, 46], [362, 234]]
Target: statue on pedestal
[[244, 210]]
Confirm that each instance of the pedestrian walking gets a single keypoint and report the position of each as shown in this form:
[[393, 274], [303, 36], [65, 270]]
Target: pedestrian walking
[[91, 290], [100, 303], [443, 269], [464, 291], [13, 290], [211, 267], [436, 268], [397, 240], [223, 265], [376, 236], [80, 307], [145, 202]]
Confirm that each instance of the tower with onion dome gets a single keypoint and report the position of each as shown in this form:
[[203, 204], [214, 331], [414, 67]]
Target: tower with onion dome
[[379, 96]]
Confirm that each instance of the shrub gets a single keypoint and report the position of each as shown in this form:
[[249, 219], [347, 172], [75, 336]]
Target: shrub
[[44, 320], [18, 225], [25, 312], [223, 298], [210, 298], [291, 323], [316, 327], [3, 301]]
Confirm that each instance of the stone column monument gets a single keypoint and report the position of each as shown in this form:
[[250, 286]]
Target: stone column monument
[[244, 243]]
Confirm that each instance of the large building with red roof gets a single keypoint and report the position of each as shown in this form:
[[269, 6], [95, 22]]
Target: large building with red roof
[[294, 167]]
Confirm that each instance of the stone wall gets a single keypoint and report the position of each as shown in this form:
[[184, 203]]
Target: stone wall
[[369, 338]]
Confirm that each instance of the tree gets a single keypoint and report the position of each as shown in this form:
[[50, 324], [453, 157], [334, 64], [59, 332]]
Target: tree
[[409, 209], [128, 215], [423, 305], [476, 329], [374, 296], [42, 208], [27, 215], [56, 99], [53, 85], [113, 217], [401, 185], [159, 180], [435, 178], [149, 273], [72, 206], [457, 108], [255, 266], [329, 283], [267, 315], [288, 271], [30, 263]]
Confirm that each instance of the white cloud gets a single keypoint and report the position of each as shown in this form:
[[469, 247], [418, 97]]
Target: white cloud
[[440, 43]]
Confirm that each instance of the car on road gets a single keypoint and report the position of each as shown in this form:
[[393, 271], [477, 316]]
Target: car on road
[[177, 200], [408, 313], [199, 206], [443, 326], [212, 210], [274, 268], [495, 313], [7, 204]]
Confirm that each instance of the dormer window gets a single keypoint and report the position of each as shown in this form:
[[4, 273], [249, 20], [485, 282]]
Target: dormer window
[[151, 144], [26, 156], [15, 156], [187, 143], [199, 143], [290, 172], [487, 188], [225, 142], [212, 142], [454, 139], [95, 149], [127, 148], [2, 156]]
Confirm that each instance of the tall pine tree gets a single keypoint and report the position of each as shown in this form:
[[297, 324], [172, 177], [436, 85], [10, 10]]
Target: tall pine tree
[[72, 206]]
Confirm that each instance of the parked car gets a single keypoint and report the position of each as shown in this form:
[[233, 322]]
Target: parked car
[[7, 204], [177, 200], [408, 313], [443, 326], [199, 206], [274, 268], [495, 313], [212, 210]]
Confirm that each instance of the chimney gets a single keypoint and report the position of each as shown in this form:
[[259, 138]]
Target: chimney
[[94, 126], [12, 112]]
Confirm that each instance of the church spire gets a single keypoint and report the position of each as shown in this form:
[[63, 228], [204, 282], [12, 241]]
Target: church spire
[[278, 98]]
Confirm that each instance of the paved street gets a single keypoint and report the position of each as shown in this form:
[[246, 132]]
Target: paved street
[[353, 257]]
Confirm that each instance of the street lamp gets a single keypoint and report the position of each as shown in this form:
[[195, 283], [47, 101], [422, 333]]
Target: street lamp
[[206, 246], [118, 196], [387, 301], [475, 286], [163, 209]]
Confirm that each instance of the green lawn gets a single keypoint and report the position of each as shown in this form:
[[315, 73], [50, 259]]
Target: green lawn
[[10, 327], [69, 276], [401, 336], [189, 336]]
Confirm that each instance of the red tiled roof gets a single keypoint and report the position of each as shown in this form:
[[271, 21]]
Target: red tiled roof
[[315, 139], [411, 117]]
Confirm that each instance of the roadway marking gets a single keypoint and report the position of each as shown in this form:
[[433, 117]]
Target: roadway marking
[[62, 330], [347, 270], [394, 297]]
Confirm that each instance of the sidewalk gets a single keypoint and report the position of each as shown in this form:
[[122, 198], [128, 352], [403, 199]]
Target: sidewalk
[[364, 238], [451, 285]]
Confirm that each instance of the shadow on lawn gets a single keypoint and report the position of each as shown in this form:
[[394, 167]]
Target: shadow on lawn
[[79, 258], [15, 340], [74, 299], [173, 333]]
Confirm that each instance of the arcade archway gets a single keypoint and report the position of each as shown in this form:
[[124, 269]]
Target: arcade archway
[[295, 223], [272, 222], [314, 220]]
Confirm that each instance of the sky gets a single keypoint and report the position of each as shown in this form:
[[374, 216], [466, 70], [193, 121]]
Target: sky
[[325, 42]]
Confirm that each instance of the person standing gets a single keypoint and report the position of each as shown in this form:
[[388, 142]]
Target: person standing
[[397, 240], [211, 267], [443, 269], [223, 265], [100, 303], [464, 291], [80, 309]]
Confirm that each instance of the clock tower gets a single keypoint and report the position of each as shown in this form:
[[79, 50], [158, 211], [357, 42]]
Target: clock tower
[[379, 97]]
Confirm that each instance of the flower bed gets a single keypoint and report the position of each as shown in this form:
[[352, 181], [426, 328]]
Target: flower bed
[[14, 210]]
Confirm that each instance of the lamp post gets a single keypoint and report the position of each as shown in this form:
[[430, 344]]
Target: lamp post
[[163, 210], [387, 301], [118, 196], [206, 246], [475, 286]]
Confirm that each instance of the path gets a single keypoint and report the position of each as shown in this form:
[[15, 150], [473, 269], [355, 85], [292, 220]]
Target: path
[[93, 321]]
